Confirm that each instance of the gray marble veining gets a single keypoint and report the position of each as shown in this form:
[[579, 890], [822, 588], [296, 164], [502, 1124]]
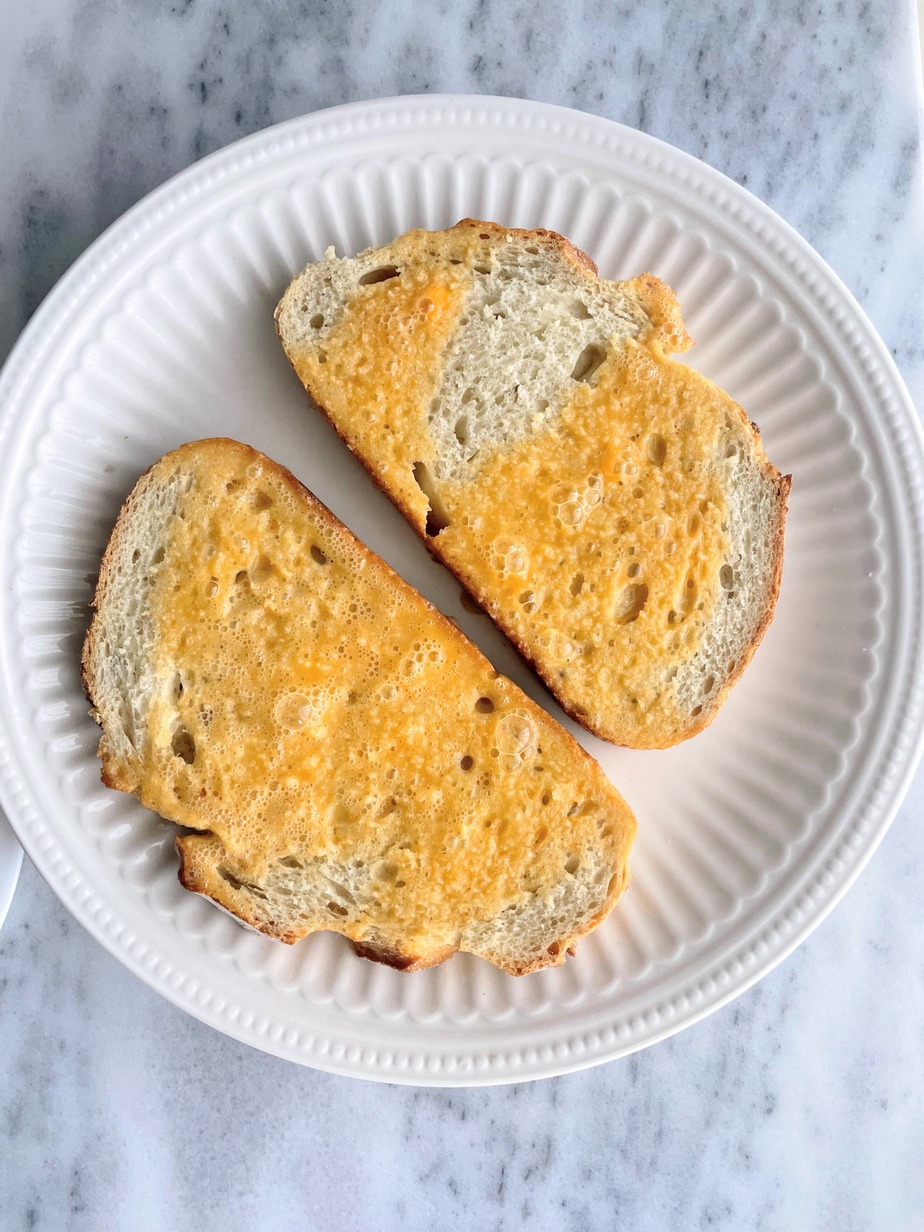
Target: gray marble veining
[[797, 1107]]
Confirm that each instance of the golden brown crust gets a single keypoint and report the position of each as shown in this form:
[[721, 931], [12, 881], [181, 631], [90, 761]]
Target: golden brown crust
[[401, 962], [571, 252]]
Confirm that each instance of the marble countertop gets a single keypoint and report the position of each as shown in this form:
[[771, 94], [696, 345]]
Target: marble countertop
[[796, 1107]]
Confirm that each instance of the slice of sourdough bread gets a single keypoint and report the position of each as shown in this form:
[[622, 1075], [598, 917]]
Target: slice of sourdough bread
[[612, 509], [351, 760]]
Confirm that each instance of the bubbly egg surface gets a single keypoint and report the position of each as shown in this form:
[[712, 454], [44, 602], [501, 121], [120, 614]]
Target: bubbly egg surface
[[310, 702]]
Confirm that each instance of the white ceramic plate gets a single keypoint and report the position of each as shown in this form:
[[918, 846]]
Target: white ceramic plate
[[163, 332], [10, 864]]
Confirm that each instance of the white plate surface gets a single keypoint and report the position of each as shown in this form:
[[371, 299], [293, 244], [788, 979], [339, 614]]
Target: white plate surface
[[10, 864], [748, 834]]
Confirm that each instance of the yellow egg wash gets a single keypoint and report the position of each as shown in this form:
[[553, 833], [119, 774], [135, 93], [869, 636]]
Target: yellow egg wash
[[601, 539], [310, 702], [597, 542], [383, 356]]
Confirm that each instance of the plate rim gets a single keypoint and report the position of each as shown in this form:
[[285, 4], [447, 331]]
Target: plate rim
[[11, 854], [200, 177]]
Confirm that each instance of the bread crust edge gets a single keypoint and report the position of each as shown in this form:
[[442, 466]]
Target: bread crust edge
[[239, 906]]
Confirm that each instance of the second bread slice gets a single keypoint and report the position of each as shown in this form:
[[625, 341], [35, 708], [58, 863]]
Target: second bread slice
[[612, 510]]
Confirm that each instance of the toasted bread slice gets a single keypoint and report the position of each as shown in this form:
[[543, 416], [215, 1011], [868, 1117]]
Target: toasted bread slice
[[353, 762], [612, 510]]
